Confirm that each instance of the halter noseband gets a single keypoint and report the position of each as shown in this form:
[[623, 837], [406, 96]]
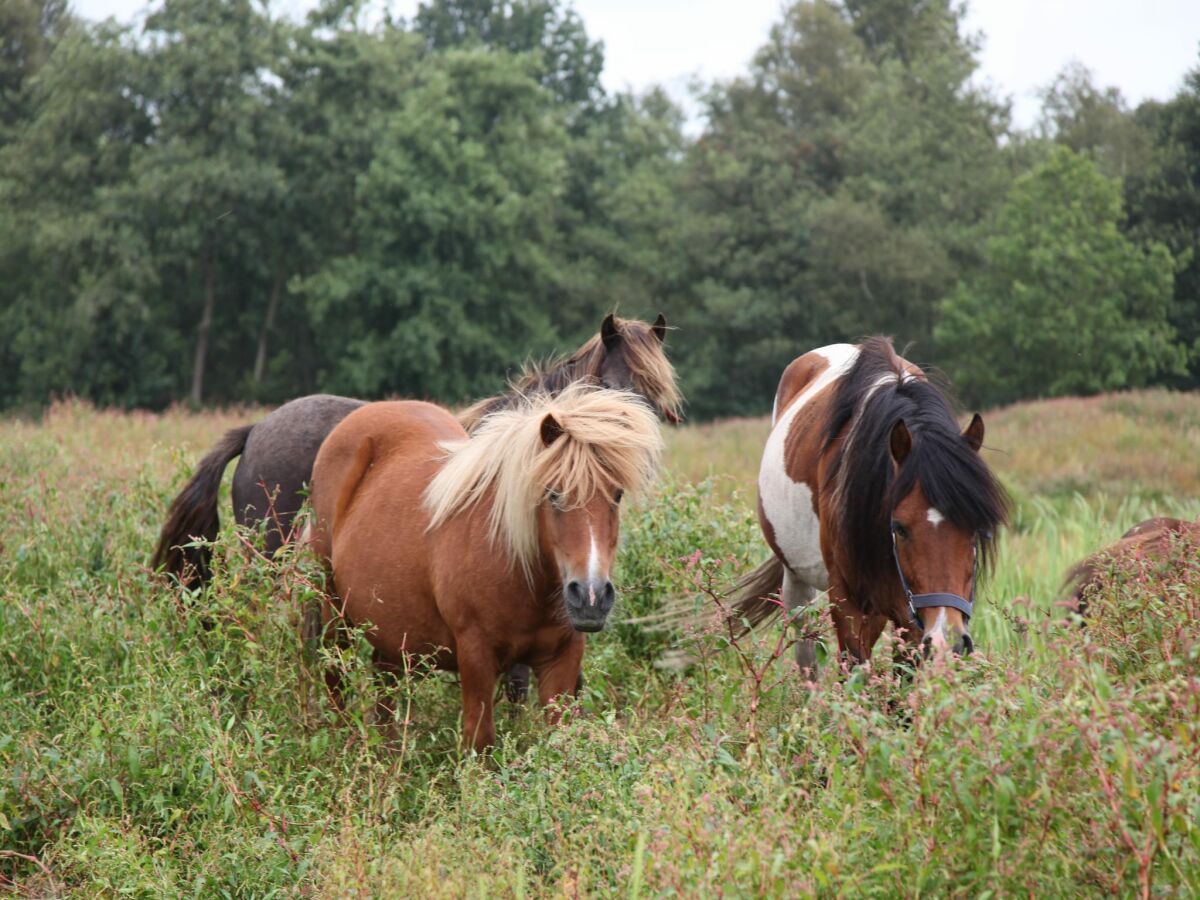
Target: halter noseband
[[965, 605]]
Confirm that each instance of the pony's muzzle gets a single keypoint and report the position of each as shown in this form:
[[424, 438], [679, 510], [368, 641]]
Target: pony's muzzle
[[957, 641], [588, 602]]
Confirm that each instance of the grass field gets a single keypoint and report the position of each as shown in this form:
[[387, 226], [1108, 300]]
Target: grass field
[[141, 754]]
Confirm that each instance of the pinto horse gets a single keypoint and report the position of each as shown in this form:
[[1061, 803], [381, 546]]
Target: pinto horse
[[486, 551], [867, 489], [277, 454]]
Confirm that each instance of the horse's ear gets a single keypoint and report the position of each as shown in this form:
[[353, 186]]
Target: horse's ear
[[608, 332], [660, 328], [551, 429], [973, 433], [901, 442]]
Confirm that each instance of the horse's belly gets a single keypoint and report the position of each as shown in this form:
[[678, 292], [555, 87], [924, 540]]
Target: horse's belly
[[404, 622]]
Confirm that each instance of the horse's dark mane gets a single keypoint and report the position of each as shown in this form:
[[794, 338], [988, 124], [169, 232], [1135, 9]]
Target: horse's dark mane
[[653, 376], [864, 488], [555, 375]]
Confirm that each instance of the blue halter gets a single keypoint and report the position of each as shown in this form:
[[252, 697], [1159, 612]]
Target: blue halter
[[965, 605]]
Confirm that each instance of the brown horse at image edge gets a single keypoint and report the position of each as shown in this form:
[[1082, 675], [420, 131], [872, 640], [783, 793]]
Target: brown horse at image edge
[[486, 551], [1150, 540]]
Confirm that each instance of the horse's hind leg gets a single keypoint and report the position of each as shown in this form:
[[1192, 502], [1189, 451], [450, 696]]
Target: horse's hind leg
[[797, 596]]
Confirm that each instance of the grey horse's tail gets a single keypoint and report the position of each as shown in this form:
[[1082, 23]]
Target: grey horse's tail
[[753, 602], [193, 514]]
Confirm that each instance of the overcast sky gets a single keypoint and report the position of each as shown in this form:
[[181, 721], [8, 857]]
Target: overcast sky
[[1143, 47]]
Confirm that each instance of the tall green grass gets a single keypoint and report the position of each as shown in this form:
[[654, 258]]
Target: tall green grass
[[142, 753]]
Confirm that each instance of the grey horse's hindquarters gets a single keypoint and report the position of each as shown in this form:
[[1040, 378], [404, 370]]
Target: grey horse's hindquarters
[[277, 462]]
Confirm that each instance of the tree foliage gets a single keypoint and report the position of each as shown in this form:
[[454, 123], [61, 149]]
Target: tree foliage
[[1066, 303], [225, 204]]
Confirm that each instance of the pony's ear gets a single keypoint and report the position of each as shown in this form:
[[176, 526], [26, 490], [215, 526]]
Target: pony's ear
[[901, 442], [973, 433], [551, 429], [660, 328], [608, 332]]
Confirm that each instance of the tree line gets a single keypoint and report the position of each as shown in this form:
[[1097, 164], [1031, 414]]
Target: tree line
[[221, 203]]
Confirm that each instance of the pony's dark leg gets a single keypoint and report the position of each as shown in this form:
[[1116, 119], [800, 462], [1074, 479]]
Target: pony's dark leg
[[561, 676], [516, 683]]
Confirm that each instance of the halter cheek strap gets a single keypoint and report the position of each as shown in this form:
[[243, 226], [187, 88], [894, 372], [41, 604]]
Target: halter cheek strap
[[965, 605]]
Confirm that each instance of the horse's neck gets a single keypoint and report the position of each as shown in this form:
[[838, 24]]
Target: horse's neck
[[558, 377]]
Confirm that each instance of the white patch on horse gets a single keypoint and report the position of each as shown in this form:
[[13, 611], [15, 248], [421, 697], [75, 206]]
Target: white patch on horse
[[787, 504], [593, 567], [935, 517], [937, 631], [881, 381]]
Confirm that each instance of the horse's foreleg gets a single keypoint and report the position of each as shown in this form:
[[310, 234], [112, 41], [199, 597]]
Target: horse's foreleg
[[560, 677], [856, 632], [478, 671]]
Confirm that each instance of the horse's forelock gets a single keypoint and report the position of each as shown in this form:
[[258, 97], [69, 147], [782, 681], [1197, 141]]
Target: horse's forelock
[[609, 440], [653, 374]]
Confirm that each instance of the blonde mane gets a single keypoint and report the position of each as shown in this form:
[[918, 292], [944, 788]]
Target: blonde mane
[[610, 440]]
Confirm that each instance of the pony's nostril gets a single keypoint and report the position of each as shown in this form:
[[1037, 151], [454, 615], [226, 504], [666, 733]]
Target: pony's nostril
[[965, 645], [610, 593], [575, 593]]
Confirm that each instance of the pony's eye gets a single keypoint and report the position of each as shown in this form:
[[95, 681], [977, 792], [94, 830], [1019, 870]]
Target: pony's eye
[[618, 495], [901, 531], [555, 499]]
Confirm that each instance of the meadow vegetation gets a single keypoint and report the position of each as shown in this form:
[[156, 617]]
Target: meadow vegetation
[[143, 754]]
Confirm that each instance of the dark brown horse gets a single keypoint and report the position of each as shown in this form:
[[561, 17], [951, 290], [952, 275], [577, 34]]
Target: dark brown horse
[[1150, 539], [483, 551], [868, 489], [277, 454]]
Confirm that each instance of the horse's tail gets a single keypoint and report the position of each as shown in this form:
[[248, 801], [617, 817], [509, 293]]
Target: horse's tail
[[193, 514], [753, 602]]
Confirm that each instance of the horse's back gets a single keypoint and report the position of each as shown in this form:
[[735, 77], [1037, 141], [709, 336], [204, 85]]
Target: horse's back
[[1150, 539], [397, 441], [278, 458]]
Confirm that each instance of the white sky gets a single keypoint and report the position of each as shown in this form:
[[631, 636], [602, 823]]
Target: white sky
[[1142, 47]]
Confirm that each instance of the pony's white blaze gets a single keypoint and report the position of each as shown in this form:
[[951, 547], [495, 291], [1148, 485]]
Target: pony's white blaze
[[593, 567], [935, 517], [787, 504]]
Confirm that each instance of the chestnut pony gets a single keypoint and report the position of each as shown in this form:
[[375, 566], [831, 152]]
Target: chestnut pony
[[277, 453], [481, 551], [1150, 539], [867, 489]]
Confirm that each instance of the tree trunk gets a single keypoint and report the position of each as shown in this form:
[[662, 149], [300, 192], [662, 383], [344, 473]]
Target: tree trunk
[[260, 358], [210, 300]]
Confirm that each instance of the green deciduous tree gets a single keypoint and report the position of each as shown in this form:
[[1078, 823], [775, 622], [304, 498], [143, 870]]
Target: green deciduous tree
[[1164, 205], [449, 280], [1066, 303]]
